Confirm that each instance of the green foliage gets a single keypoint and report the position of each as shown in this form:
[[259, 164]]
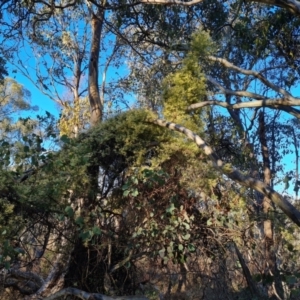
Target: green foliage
[[14, 96], [162, 222], [119, 144], [187, 85], [125, 145], [123, 140], [14, 99], [74, 117]]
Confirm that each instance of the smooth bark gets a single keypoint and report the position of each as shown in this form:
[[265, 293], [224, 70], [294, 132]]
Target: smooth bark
[[281, 104], [96, 103]]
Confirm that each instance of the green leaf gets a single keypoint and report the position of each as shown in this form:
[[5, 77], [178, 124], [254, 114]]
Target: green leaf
[[126, 193], [135, 193], [169, 249], [209, 222], [96, 230], [65, 139], [171, 209], [135, 180], [69, 211], [187, 226], [86, 235], [180, 247], [125, 187], [191, 248], [186, 237], [79, 221], [182, 258]]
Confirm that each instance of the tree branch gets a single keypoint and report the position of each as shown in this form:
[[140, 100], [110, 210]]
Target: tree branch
[[282, 104], [90, 296], [235, 174], [255, 74], [171, 2], [292, 6], [235, 93]]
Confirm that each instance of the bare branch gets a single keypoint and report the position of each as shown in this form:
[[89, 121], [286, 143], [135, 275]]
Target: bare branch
[[235, 93], [90, 296], [235, 174], [281, 104], [257, 75], [153, 2], [292, 6], [26, 282], [171, 2]]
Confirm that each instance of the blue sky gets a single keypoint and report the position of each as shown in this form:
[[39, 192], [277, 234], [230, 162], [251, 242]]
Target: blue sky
[[37, 97], [46, 104]]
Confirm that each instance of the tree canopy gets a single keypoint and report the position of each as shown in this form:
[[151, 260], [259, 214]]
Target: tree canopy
[[172, 171]]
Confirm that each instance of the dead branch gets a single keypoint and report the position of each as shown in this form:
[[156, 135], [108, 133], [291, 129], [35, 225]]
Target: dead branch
[[90, 296]]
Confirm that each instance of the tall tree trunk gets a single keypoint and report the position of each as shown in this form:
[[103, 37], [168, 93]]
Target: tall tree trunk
[[251, 283], [270, 267], [84, 262], [77, 77], [96, 102]]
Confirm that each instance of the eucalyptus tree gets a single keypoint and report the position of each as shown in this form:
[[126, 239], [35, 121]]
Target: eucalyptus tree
[[14, 100], [250, 72], [251, 63]]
